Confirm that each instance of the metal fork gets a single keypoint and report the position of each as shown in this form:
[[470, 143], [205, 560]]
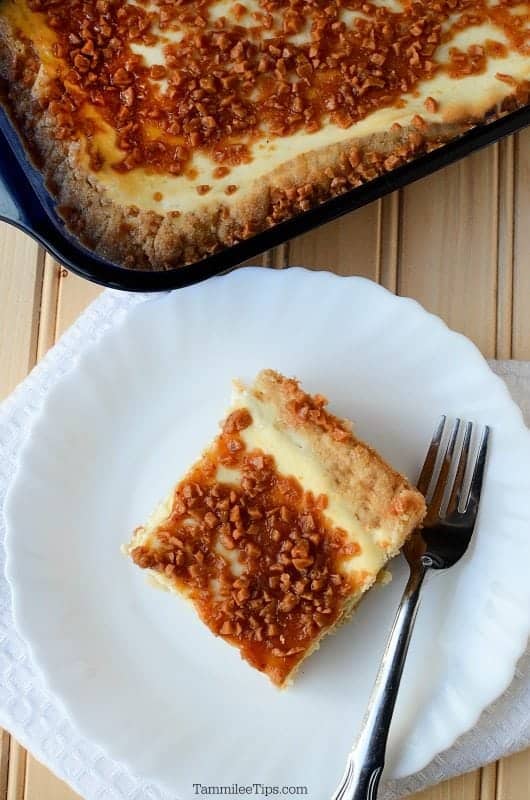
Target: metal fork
[[447, 531]]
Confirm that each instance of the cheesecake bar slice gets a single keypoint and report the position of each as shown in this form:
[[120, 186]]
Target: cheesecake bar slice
[[282, 525]]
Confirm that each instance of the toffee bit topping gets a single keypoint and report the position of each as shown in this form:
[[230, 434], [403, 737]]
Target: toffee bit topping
[[419, 122], [293, 65], [509, 79], [287, 585], [221, 172], [313, 408], [237, 421], [431, 105]]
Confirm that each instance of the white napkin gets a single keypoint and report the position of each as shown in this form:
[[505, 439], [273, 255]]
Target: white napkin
[[39, 722]]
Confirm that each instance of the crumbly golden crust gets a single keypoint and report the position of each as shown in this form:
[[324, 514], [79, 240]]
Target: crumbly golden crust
[[145, 239], [261, 553]]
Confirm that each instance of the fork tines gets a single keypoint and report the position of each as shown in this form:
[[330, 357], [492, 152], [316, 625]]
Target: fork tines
[[444, 478]]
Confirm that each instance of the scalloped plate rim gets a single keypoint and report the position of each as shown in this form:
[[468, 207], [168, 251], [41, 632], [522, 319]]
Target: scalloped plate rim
[[22, 606]]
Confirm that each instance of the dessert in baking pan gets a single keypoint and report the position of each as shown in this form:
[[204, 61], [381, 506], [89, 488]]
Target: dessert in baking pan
[[168, 130]]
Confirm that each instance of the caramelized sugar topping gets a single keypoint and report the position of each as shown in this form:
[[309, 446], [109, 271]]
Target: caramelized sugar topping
[[258, 558], [290, 65]]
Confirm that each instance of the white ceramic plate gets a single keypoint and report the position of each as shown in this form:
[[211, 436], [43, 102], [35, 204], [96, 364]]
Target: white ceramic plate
[[138, 673]]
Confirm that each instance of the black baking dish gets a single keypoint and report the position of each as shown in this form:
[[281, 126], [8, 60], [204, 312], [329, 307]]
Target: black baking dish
[[26, 203]]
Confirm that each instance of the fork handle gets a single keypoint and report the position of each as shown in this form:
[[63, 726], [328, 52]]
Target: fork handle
[[366, 761]]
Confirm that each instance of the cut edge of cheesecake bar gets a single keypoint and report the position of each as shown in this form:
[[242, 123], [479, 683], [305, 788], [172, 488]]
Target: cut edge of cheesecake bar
[[376, 505]]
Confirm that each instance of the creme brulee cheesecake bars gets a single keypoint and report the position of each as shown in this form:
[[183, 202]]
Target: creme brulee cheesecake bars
[[282, 525], [168, 130]]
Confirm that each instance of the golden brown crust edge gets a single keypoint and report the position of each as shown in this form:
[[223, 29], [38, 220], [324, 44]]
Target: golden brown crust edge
[[141, 239]]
